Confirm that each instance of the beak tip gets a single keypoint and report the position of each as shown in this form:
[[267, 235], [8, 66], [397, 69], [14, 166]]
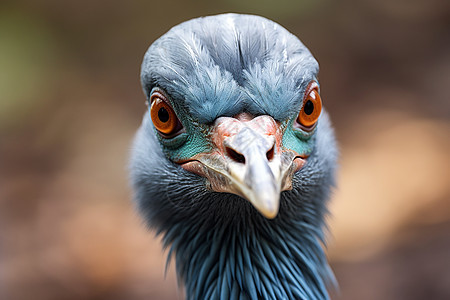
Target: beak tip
[[269, 208], [270, 214]]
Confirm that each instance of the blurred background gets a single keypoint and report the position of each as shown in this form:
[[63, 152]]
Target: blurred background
[[70, 102]]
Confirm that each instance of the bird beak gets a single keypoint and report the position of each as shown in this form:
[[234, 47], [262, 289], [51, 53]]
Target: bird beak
[[248, 161]]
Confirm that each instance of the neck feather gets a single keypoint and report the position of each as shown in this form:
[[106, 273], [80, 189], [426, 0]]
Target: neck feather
[[252, 258]]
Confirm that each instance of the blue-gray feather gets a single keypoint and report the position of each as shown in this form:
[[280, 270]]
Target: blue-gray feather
[[221, 65], [223, 248]]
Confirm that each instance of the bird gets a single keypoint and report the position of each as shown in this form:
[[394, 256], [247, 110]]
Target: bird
[[235, 159]]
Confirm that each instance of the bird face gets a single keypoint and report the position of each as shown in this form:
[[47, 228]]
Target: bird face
[[236, 106], [247, 155]]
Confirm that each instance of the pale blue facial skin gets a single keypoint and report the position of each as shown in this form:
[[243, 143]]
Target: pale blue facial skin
[[188, 143]]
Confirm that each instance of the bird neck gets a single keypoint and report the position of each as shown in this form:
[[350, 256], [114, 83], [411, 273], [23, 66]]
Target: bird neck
[[250, 258]]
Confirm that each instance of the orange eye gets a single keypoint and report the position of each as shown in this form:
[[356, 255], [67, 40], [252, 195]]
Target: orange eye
[[312, 106], [163, 116]]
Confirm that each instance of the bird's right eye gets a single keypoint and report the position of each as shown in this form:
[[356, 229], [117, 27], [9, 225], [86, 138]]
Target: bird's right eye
[[163, 116]]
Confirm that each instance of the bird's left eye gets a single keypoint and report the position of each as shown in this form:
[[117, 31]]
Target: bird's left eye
[[312, 106], [163, 116]]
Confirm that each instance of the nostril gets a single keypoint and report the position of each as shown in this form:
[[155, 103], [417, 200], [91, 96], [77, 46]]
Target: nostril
[[270, 153], [235, 155]]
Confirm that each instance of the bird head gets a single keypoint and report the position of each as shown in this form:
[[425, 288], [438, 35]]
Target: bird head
[[234, 108], [234, 161]]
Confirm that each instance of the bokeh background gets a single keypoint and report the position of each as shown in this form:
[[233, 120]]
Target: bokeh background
[[70, 102]]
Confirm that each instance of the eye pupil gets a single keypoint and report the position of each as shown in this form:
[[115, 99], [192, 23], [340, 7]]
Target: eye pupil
[[309, 107], [163, 115]]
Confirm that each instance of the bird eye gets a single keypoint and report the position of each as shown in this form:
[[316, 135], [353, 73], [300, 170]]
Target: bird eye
[[312, 106], [163, 116]]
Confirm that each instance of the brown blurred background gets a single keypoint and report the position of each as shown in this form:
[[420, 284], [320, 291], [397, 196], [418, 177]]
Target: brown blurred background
[[70, 102]]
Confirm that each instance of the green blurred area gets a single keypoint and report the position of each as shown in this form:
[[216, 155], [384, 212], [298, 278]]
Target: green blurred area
[[70, 102], [27, 52]]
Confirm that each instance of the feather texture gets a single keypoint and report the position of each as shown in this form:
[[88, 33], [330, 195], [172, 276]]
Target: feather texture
[[223, 248], [222, 245], [221, 65]]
